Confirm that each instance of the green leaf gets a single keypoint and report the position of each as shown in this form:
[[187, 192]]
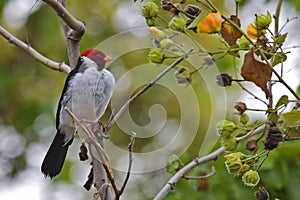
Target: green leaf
[[272, 115], [238, 132], [174, 164], [243, 42], [283, 100], [279, 57], [291, 118], [280, 39]]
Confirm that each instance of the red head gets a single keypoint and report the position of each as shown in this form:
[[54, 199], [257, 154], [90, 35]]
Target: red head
[[97, 56]]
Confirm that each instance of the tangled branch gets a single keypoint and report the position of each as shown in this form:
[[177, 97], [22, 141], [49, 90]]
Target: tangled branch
[[35, 54], [170, 185]]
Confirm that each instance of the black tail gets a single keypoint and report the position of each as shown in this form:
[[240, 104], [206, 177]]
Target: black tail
[[55, 156]]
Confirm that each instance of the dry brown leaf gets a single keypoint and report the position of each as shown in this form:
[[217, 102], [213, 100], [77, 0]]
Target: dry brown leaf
[[256, 72], [229, 33]]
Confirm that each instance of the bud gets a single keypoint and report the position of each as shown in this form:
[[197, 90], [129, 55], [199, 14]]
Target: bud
[[241, 107], [150, 10], [150, 21], [252, 145], [229, 143], [156, 55], [158, 33], [166, 43], [263, 21], [251, 178], [177, 24], [192, 10], [224, 79], [262, 194], [225, 125], [244, 119]]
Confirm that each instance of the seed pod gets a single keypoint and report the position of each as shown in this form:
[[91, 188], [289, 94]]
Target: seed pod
[[252, 145], [192, 10], [241, 107], [273, 138], [262, 194], [224, 79]]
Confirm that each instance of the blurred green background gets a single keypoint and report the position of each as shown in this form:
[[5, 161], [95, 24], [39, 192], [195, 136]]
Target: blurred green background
[[29, 93]]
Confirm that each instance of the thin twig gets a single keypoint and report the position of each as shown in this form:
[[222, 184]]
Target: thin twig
[[66, 16], [73, 40], [277, 13], [39, 57], [130, 146], [291, 138], [253, 95], [143, 90], [196, 162], [213, 172]]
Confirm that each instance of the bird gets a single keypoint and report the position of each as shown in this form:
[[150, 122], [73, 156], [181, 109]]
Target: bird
[[87, 92]]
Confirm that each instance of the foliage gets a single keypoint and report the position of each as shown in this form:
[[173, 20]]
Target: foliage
[[262, 53]]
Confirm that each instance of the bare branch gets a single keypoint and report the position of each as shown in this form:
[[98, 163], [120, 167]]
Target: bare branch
[[39, 57], [175, 178], [196, 162], [62, 12], [130, 146], [213, 172], [73, 40], [143, 90]]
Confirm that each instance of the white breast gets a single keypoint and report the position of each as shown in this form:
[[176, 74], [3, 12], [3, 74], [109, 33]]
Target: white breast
[[88, 95]]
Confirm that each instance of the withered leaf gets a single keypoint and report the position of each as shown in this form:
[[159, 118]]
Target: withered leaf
[[229, 33], [256, 71]]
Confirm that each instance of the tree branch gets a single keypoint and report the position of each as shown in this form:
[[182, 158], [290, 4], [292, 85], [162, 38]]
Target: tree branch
[[130, 146], [196, 162], [143, 90], [213, 172], [39, 57], [73, 40], [73, 29], [63, 13]]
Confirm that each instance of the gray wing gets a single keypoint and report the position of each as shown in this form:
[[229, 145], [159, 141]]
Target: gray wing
[[105, 86]]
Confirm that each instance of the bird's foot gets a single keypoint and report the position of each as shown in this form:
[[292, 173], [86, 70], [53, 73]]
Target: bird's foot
[[99, 130]]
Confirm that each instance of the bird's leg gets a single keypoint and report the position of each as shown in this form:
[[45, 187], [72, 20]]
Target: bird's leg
[[98, 128]]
